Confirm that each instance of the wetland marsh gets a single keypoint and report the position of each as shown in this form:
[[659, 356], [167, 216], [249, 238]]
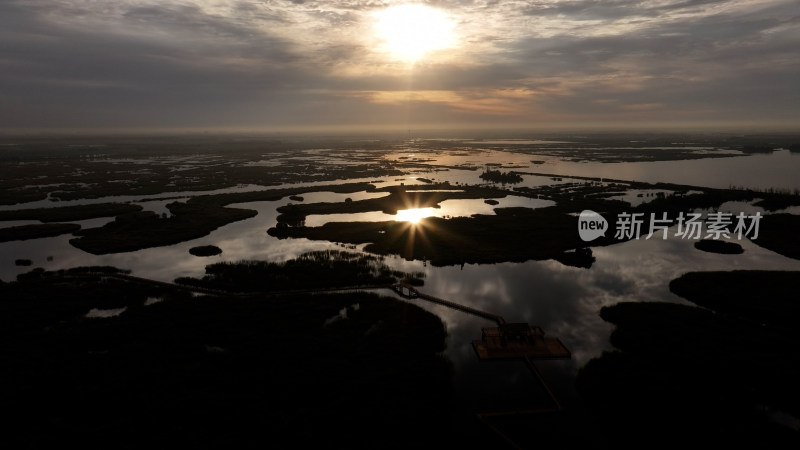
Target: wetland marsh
[[507, 243]]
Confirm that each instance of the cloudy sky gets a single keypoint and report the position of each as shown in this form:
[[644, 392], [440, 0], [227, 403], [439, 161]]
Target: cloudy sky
[[355, 64]]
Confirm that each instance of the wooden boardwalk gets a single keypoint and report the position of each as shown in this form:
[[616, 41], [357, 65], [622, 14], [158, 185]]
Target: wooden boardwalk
[[408, 291]]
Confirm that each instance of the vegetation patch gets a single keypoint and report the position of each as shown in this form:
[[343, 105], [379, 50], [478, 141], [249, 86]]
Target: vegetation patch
[[497, 176], [760, 296], [82, 271], [71, 213], [277, 193], [580, 257], [146, 229], [24, 232], [312, 270], [778, 232], [205, 250], [722, 247], [776, 201]]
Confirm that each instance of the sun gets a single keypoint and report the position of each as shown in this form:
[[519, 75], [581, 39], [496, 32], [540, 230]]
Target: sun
[[409, 31], [414, 215]]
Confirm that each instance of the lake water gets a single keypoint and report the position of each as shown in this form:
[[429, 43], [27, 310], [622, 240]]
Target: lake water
[[562, 300]]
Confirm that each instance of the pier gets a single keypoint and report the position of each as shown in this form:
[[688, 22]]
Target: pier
[[408, 291], [518, 341]]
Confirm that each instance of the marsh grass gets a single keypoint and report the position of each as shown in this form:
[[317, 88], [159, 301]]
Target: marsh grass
[[311, 270]]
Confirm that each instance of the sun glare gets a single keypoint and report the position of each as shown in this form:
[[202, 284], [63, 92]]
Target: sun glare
[[410, 31], [414, 215]]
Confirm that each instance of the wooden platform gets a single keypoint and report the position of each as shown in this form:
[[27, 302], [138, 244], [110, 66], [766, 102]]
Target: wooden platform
[[518, 340]]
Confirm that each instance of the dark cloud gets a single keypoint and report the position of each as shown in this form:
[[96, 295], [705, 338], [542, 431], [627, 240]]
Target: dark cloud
[[70, 77], [72, 63], [586, 9]]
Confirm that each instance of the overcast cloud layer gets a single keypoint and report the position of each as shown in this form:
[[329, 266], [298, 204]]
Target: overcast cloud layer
[[229, 64]]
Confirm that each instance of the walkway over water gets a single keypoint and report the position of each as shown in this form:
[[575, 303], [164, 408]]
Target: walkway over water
[[408, 291], [519, 341]]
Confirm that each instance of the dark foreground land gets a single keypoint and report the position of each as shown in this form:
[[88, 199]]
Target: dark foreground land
[[349, 370], [24, 232], [722, 376]]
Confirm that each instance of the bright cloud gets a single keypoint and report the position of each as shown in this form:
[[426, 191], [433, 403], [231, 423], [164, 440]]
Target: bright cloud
[[226, 63]]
